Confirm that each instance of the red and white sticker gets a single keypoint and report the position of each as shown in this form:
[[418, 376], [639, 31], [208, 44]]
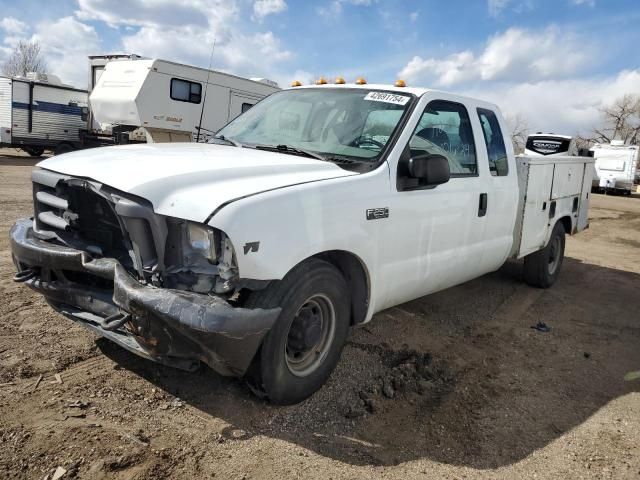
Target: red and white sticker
[[387, 97]]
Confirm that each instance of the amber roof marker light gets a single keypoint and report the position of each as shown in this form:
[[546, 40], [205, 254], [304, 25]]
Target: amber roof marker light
[[296, 83], [400, 83], [340, 81], [321, 81], [361, 81]]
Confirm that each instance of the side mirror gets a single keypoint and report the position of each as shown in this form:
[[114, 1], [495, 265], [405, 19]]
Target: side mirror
[[433, 169]]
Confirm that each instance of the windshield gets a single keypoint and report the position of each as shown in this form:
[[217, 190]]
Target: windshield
[[352, 123]]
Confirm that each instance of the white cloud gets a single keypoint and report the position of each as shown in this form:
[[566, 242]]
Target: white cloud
[[234, 51], [562, 106], [335, 7], [158, 12], [13, 26], [413, 16], [65, 44], [514, 55], [497, 6], [185, 30], [539, 75], [589, 3], [262, 8]]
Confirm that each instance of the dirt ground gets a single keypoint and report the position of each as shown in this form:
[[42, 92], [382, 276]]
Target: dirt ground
[[454, 385]]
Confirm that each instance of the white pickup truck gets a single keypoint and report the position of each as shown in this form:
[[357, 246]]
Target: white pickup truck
[[309, 213]]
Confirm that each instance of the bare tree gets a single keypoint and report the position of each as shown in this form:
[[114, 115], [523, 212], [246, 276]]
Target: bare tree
[[26, 57], [620, 121], [583, 143], [519, 131]]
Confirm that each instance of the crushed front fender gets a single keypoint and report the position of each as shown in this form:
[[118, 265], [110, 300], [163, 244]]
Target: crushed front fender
[[169, 326]]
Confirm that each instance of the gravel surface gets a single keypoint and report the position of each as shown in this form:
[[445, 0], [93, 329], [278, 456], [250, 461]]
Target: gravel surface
[[454, 385]]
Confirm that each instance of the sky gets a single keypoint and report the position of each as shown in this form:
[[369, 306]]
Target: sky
[[554, 63]]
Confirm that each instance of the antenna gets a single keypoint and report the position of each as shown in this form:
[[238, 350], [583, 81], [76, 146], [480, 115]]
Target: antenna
[[204, 97]]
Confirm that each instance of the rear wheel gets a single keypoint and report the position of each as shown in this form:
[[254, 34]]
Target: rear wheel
[[34, 151], [541, 268], [304, 346]]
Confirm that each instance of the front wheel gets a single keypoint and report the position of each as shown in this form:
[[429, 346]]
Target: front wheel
[[541, 268], [304, 346]]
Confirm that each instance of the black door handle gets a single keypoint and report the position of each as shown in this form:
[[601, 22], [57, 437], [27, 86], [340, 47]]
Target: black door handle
[[482, 205]]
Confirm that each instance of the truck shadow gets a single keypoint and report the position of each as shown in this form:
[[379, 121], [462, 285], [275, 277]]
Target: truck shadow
[[458, 377]]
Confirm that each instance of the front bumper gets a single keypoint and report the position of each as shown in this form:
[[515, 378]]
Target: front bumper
[[173, 327]]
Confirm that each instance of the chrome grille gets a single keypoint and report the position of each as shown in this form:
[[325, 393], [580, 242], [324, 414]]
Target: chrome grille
[[80, 217]]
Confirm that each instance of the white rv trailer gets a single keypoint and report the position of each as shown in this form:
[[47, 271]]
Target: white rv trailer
[[166, 98], [616, 166], [97, 64], [550, 145], [38, 112]]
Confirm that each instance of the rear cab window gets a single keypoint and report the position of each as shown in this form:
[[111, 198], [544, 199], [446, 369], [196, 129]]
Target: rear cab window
[[494, 141]]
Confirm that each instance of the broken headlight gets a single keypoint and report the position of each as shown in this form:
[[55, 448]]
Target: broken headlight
[[202, 240]]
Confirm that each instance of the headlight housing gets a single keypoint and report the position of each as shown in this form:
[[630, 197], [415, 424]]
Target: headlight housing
[[202, 240]]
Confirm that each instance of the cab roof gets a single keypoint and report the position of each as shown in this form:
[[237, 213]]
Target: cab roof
[[417, 91], [368, 86]]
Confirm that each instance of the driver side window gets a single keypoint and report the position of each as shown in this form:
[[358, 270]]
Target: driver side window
[[445, 129]]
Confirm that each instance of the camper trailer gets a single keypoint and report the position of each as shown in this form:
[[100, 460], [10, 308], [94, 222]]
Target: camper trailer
[[38, 112], [550, 145], [97, 64], [616, 166], [170, 101]]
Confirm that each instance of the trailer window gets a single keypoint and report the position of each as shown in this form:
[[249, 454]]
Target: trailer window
[[245, 107], [493, 139], [445, 129], [185, 91]]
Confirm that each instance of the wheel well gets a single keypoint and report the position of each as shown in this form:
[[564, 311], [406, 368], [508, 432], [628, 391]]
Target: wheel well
[[356, 277], [566, 223]]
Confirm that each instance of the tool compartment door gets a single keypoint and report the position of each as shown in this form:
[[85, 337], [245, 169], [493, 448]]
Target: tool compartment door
[[535, 220], [567, 180]]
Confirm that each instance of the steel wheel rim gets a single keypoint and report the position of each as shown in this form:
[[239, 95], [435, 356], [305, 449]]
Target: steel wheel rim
[[554, 255], [304, 356]]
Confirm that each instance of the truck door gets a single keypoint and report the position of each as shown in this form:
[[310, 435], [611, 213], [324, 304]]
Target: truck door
[[500, 188], [435, 235]]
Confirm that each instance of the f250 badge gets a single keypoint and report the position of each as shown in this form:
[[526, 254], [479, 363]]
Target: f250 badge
[[377, 213]]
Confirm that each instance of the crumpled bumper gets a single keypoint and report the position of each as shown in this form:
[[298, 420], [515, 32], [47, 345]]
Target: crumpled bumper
[[173, 327]]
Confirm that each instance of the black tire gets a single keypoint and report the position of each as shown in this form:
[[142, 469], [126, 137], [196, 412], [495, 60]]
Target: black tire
[[34, 151], [541, 268], [279, 371], [63, 148]]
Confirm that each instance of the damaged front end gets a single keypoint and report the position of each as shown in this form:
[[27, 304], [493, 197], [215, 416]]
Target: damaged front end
[[161, 287]]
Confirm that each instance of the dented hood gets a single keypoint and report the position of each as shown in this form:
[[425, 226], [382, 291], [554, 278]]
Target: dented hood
[[191, 180]]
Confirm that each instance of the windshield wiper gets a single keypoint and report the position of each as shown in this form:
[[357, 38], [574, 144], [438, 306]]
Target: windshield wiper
[[293, 150], [228, 140]]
